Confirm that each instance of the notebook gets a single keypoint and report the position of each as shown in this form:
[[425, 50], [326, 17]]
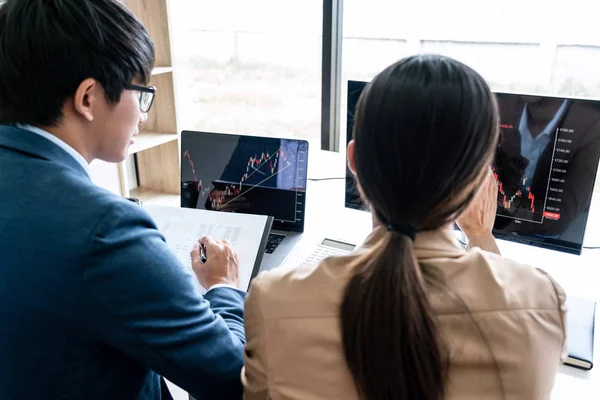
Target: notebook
[[580, 332], [182, 227]]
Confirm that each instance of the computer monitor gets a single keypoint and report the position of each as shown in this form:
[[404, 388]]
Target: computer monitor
[[245, 174], [545, 164], [353, 199]]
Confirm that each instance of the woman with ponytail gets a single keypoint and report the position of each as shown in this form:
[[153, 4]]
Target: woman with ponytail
[[411, 314]]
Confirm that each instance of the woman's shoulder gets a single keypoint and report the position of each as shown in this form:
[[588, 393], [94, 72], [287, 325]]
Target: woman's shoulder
[[277, 277], [305, 290], [514, 271], [491, 282]]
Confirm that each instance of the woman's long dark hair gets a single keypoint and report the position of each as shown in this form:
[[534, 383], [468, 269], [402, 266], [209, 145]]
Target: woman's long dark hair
[[425, 132]]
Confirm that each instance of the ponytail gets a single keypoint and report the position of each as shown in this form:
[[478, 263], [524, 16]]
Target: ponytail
[[391, 341]]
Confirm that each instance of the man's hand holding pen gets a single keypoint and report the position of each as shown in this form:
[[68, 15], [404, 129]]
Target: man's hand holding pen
[[215, 262]]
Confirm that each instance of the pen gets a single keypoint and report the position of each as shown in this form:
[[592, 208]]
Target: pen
[[202, 254]]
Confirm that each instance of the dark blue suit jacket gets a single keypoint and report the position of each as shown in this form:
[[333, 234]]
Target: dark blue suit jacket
[[93, 304]]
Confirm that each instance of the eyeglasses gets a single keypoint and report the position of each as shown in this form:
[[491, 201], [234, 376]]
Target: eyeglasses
[[147, 95]]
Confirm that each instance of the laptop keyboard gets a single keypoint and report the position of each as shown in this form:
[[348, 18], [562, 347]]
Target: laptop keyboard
[[273, 242]]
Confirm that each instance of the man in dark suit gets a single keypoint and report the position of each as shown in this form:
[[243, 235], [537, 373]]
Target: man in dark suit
[[559, 192], [94, 305]]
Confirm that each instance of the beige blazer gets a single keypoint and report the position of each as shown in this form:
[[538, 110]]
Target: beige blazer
[[293, 348]]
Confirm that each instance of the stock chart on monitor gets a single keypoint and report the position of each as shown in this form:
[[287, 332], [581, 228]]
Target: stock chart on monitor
[[245, 174], [545, 165]]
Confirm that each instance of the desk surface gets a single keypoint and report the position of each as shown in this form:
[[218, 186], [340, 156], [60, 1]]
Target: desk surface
[[578, 275]]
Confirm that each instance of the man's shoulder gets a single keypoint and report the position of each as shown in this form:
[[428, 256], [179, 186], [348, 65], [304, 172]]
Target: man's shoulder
[[58, 193], [585, 120], [81, 196]]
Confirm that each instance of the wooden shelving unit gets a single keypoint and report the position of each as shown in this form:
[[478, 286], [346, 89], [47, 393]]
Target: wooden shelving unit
[[156, 148], [148, 140]]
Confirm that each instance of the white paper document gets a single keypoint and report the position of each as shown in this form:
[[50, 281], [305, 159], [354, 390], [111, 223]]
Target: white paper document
[[182, 227]]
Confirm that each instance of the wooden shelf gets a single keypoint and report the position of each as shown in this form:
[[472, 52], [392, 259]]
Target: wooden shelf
[[161, 70], [148, 140], [154, 14], [162, 116], [155, 154], [154, 197]]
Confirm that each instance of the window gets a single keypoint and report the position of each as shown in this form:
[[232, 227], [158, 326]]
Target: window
[[250, 67], [255, 66], [526, 46]]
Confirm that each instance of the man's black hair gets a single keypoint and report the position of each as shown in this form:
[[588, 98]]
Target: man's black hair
[[48, 47]]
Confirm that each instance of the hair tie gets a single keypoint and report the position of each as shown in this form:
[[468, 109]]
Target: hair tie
[[403, 229]]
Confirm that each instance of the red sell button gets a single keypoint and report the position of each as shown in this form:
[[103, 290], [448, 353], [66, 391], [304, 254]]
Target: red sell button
[[551, 215]]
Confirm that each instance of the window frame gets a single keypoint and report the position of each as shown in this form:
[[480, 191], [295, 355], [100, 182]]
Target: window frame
[[331, 74]]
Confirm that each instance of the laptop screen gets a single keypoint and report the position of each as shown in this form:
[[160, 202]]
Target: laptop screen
[[545, 165], [245, 174]]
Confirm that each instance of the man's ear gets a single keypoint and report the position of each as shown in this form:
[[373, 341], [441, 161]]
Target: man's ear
[[351, 160], [86, 98]]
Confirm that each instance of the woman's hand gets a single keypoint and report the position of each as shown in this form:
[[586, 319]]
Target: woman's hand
[[478, 219]]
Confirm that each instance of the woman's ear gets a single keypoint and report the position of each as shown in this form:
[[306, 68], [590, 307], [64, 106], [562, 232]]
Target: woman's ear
[[351, 161]]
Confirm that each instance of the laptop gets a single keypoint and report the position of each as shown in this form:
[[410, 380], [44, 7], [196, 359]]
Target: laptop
[[248, 174], [545, 165]]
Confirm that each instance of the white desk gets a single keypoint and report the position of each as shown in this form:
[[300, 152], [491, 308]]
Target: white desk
[[578, 275]]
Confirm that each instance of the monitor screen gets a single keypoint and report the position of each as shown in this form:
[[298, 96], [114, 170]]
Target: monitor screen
[[353, 199], [545, 165], [246, 174]]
